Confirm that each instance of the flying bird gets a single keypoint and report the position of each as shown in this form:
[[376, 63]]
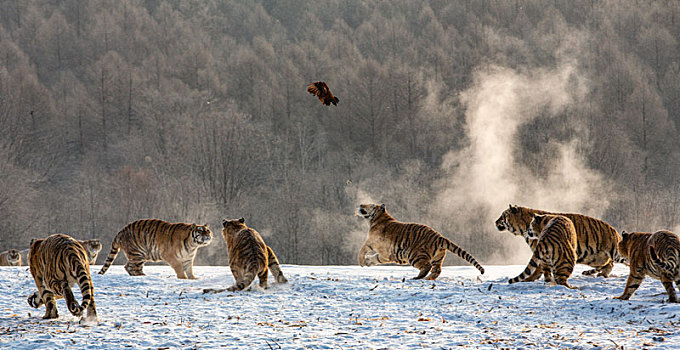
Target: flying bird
[[320, 90]]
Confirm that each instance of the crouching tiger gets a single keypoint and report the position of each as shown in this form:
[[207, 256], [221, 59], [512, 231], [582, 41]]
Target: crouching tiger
[[391, 241], [249, 256], [157, 240], [652, 254], [555, 250], [57, 263]]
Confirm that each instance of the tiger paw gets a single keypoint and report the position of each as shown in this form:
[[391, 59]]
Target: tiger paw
[[34, 301], [281, 279], [51, 315]]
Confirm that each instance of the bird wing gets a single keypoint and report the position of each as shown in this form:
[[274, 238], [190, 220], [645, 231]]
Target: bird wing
[[312, 89]]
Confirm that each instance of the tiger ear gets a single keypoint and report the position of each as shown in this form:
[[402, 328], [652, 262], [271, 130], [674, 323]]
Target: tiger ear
[[193, 226], [624, 234], [242, 220], [513, 209], [224, 222], [382, 206]]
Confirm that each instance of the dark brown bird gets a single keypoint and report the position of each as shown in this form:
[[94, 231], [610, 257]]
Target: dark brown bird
[[320, 90]]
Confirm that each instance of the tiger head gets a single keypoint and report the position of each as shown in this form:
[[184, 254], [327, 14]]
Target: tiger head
[[515, 220], [201, 234], [621, 253], [624, 244], [370, 211], [536, 225], [93, 246], [34, 246], [13, 257], [230, 227]]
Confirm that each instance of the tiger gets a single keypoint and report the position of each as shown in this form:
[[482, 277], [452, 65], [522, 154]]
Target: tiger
[[596, 240], [10, 257], [554, 251], [249, 256], [93, 247], [651, 254], [24, 256], [158, 240], [57, 263], [392, 241]]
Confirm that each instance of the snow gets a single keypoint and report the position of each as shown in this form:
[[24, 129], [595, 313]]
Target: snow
[[330, 307]]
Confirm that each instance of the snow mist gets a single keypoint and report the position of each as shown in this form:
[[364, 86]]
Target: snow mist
[[486, 176]]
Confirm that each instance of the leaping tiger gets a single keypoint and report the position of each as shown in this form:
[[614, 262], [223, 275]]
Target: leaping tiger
[[391, 241]]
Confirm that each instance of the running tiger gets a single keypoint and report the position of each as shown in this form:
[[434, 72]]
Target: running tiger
[[391, 241], [653, 254], [93, 247], [555, 250], [10, 257], [57, 263], [249, 256], [158, 240], [596, 240]]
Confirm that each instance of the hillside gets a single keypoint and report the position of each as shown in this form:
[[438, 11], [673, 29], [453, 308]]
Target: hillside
[[197, 110]]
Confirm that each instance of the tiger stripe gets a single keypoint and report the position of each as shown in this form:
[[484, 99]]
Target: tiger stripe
[[10, 257], [158, 240], [57, 263], [93, 247], [555, 250], [392, 241], [249, 256], [651, 254], [596, 240]]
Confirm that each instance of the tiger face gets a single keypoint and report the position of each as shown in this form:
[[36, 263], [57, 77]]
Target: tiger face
[[93, 247], [369, 211], [201, 234], [14, 257], [512, 219]]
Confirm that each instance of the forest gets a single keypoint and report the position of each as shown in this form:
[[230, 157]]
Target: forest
[[197, 111]]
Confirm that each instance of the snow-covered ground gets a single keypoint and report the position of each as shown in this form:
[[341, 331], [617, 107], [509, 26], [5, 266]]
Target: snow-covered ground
[[341, 307]]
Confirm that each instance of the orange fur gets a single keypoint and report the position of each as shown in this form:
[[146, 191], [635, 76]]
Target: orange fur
[[249, 256], [158, 240], [651, 254], [391, 241], [57, 263]]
